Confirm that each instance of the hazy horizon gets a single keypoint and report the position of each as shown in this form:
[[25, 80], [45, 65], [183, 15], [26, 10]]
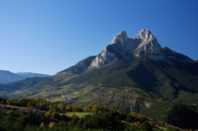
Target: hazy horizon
[[48, 36]]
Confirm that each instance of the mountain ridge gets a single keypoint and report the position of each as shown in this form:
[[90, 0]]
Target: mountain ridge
[[7, 77]]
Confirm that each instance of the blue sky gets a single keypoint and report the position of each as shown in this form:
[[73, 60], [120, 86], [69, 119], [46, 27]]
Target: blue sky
[[47, 36]]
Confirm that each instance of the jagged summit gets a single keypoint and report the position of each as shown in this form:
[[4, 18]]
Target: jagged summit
[[123, 47], [120, 38], [148, 45], [145, 35]]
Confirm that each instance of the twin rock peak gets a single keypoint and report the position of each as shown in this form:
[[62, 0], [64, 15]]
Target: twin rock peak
[[123, 47]]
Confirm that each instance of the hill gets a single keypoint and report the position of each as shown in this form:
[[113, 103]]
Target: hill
[[7, 77]]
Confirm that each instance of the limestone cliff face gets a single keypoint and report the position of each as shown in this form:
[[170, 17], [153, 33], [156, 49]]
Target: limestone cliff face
[[148, 44], [123, 47]]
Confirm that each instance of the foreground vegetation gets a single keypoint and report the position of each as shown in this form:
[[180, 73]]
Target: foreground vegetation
[[40, 115]]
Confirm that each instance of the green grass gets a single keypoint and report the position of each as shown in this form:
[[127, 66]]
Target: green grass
[[78, 114]]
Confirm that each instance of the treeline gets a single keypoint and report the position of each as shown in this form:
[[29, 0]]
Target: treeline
[[46, 116], [99, 121], [44, 105], [60, 107]]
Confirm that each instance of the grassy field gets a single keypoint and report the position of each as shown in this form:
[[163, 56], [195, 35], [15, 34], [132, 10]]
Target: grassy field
[[79, 114]]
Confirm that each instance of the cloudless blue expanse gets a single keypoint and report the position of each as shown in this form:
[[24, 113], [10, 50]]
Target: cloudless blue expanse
[[47, 36]]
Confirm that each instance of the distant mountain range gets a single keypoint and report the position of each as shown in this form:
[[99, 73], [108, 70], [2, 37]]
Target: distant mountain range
[[7, 77], [130, 74]]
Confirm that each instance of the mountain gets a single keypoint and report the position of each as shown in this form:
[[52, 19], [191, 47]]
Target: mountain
[[10, 77], [31, 75], [130, 74]]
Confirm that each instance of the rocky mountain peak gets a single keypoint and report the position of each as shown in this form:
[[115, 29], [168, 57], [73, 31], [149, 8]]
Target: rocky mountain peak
[[148, 45], [120, 38], [123, 47], [145, 35]]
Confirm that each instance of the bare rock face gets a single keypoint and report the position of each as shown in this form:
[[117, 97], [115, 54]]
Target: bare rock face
[[123, 47], [120, 38], [125, 42], [148, 45], [103, 58], [107, 56], [145, 35]]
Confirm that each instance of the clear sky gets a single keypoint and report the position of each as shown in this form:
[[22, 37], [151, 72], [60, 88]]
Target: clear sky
[[47, 36]]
